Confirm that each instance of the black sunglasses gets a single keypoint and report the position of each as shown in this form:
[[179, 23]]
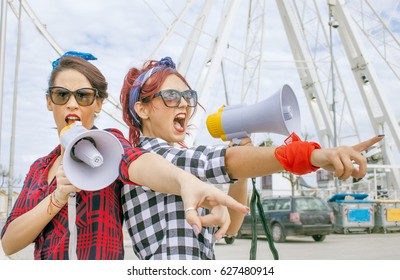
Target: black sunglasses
[[84, 96], [172, 97]]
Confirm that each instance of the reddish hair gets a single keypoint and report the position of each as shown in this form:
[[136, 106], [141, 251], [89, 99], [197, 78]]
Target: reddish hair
[[151, 87]]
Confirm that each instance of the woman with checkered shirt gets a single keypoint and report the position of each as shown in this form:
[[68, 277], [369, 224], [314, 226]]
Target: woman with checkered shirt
[[157, 117], [40, 214]]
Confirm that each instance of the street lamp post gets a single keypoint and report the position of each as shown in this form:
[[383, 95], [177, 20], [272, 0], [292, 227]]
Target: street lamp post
[[2, 57], [333, 24]]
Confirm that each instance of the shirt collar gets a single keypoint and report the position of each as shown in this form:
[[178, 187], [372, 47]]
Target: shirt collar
[[149, 143]]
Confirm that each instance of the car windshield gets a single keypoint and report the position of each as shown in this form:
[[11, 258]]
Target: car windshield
[[310, 204], [276, 204]]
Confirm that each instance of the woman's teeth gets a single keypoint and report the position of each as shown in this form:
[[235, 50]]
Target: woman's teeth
[[179, 121], [70, 120]]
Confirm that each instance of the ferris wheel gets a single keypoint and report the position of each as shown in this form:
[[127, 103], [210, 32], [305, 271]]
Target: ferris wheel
[[328, 42], [357, 23]]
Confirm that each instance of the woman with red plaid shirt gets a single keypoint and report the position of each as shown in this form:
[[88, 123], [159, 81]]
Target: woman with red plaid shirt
[[40, 214]]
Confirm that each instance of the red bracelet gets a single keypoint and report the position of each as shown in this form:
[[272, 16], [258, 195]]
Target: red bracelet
[[295, 155], [59, 204], [48, 206]]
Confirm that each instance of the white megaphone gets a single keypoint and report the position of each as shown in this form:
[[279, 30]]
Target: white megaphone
[[278, 114], [91, 157]]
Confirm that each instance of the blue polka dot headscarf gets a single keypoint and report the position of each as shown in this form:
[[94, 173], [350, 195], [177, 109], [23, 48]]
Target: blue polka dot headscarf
[[85, 56], [164, 63]]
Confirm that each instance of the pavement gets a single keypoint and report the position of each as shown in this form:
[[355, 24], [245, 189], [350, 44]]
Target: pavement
[[353, 246]]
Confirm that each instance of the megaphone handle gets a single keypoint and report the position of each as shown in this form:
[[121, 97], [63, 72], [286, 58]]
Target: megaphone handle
[[73, 235], [236, 141]]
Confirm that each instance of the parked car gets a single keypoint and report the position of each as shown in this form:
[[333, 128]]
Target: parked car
[[290, 216]]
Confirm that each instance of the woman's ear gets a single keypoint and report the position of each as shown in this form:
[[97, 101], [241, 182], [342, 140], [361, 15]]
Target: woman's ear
[[49, 103], [141, 110], [98, 104]]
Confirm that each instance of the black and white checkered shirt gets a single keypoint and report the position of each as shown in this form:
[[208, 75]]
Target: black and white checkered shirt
[[156, 221]]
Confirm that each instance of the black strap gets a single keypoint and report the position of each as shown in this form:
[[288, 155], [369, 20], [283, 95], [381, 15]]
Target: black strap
[[255, 204]]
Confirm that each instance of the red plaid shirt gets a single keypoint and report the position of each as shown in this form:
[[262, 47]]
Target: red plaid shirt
[[98, 213]]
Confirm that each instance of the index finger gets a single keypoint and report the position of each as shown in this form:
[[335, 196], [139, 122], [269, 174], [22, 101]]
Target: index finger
[[245, 141], [231, 203], [368, 143]]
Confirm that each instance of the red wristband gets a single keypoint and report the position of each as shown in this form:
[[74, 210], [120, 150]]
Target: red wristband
[[295, 155]]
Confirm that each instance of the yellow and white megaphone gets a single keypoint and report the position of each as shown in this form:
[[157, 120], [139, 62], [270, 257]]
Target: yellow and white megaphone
[[279, 114], [91, 157]]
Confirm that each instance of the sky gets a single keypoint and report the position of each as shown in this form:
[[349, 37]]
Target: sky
[[126, 33]]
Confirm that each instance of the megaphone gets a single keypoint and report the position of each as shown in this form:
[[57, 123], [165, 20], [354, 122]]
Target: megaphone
[[278, 114], [91, 157]]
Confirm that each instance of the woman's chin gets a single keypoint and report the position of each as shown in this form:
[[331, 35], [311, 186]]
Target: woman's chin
[[178, 137]]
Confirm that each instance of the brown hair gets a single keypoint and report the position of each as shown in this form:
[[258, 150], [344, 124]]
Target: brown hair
[[91, 72]]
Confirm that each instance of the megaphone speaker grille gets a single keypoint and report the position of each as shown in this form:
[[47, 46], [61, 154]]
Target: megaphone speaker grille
[[89, 178]]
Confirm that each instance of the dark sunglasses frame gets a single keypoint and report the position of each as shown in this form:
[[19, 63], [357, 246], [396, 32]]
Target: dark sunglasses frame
[[193, 95], [75, 93]]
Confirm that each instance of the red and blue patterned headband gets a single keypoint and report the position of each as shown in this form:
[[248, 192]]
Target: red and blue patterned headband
[[134, 94]]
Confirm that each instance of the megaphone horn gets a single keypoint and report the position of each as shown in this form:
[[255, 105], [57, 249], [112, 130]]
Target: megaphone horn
[[85, 151], [91, 158], [279, 114]]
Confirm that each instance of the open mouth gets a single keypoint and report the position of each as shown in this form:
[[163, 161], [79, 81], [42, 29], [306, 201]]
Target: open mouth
[[71, 119], [180, 122]]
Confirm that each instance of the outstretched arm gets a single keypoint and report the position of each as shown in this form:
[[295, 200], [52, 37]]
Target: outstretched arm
[[341, 159], [248, 162], [160, 175]]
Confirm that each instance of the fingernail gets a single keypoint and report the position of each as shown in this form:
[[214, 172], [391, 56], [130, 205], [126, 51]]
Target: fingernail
[[248, 209], [195, 230], [218, 238]]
